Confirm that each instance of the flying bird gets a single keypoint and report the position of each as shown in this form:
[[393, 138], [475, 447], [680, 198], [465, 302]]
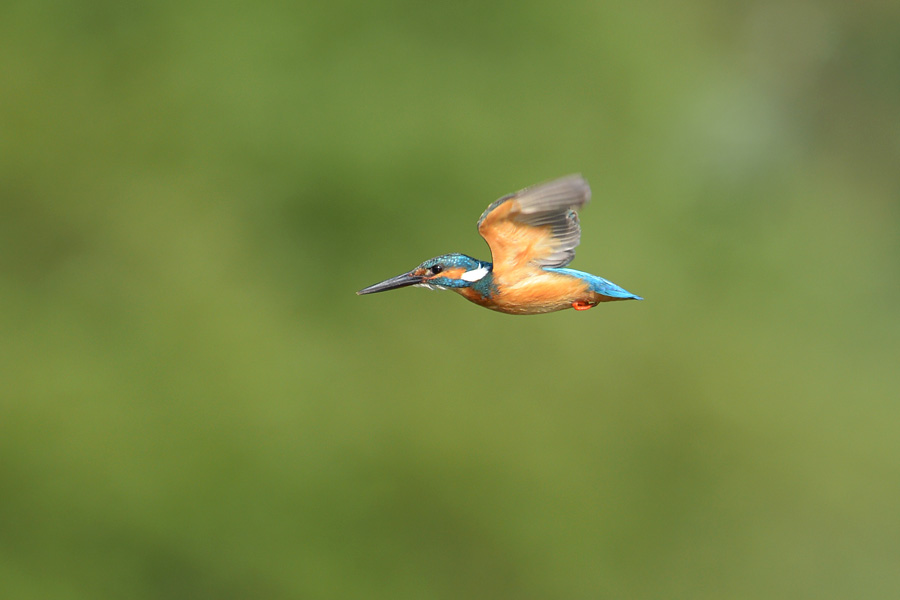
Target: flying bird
[[532, 235]]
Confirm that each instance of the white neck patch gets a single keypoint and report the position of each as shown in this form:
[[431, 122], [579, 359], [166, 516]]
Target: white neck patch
[[474, 274]]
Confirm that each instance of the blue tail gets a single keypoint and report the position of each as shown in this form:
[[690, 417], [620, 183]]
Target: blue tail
[[598, 284]]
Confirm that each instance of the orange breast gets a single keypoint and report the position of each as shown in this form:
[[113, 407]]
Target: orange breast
[[541, 292]]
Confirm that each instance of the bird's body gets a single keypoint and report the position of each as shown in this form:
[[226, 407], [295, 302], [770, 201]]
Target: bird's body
[[532, 235]]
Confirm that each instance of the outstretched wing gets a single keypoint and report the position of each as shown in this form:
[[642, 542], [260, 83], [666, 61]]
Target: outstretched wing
[[537, 226]]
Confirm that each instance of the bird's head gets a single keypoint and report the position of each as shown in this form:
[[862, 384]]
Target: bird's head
[[441, 272]]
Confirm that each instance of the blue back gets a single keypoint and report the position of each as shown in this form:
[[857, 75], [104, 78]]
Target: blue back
[[598, 284]]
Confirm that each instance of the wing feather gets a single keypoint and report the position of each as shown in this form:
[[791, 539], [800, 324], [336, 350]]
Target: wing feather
[[536, 227]]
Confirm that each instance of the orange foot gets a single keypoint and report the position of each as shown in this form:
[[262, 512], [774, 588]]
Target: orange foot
[[582, 305]]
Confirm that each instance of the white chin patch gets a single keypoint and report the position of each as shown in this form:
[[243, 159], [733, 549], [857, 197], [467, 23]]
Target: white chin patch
[[474, 274], [430, 286]]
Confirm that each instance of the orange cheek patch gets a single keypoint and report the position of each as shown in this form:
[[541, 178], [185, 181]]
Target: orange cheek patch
[[454, 273]]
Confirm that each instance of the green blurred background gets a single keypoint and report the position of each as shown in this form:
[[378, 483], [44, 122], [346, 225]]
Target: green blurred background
[[195, 404]]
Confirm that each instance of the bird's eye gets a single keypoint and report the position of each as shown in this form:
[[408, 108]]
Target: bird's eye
[[436, 269]]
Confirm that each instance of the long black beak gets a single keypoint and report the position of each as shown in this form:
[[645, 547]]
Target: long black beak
[[393, 283]]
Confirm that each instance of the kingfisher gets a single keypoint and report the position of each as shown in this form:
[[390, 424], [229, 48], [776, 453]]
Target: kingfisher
[[532, 235]]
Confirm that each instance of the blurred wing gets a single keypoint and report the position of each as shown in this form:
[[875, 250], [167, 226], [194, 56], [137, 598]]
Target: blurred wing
[[537, 226]]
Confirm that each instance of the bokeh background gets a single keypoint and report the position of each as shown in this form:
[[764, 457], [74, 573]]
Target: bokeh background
[[195, 404]]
